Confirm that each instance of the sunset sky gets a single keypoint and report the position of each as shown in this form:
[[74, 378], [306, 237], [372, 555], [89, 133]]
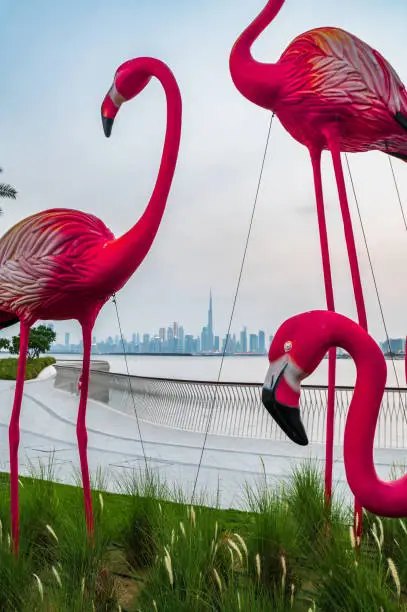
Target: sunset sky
[[58, 60]]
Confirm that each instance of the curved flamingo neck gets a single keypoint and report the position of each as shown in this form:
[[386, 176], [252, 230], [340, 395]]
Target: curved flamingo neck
[[127, 252], [255, 80], [378, 496]]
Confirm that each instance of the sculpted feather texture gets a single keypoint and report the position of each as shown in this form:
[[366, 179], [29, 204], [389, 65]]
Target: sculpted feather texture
[[330, 90], [48, 256], [332, 69], [65, 264]]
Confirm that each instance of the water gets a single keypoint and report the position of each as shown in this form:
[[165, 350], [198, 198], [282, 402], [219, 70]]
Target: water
[[235, 369]]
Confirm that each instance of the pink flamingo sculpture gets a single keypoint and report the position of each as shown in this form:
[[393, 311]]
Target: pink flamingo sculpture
[[296, 351], [65, 264], [332, 91]]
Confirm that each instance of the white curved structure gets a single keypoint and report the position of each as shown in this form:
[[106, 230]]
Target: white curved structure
[[48, 421]]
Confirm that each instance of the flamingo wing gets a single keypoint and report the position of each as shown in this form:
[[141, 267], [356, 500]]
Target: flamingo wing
[[340, 68], [47, 256]]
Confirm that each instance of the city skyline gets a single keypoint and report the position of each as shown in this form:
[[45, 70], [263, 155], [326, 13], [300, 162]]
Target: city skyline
[[173, 339]]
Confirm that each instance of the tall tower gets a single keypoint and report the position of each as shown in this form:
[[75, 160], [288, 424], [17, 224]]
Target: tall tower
[[210, 323]]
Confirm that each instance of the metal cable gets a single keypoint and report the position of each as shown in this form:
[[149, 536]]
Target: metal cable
[[375, 282], [397, 191], [233, 309], [129, 379]]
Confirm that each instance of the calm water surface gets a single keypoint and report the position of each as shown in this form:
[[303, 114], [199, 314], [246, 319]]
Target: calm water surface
[[235, 369]]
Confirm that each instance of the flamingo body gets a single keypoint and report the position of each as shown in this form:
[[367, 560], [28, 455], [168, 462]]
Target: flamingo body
[[330, 75], [65, 264], [49, 265]]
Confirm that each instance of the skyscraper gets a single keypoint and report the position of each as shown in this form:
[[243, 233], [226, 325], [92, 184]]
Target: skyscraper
[[170, 340], [204, 339], [146, 343], [262, 342], [243, 340], [189, 343], [210, 323], [180, 339], [254, 343]]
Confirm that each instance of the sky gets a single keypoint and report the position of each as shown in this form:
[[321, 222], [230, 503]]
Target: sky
[[58, 61]]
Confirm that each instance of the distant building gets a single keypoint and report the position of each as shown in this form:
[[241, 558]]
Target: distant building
[[397, 345], [146, 343], [227, 344], [155, 345], [204, 339], [254, 343], [181, 340], [210, 324], [262, 342], [170, 340], [243, 340], [67, 338], [189, 344]]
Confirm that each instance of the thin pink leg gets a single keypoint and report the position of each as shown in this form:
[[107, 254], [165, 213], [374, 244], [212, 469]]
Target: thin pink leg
[[14, 437], [354, 268], [349, 237], [326, 264], [81, 431]]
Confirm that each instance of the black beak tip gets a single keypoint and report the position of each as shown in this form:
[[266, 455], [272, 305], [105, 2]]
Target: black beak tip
[[287, 417], [107, 125], [301, 437]]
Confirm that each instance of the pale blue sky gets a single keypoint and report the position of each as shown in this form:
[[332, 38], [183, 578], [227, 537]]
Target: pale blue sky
[[58, 60]]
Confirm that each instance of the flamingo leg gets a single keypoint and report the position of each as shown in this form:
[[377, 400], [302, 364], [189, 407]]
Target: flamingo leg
[[81, 430], [14, 436], [326, 265], [333, 145]]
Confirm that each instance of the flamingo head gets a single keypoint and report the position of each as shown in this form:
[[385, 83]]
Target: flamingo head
[[130, 79], [295, 352]]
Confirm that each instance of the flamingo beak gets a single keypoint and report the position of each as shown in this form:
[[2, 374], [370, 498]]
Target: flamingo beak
[[107, 123], [287, 417], [110, 106]]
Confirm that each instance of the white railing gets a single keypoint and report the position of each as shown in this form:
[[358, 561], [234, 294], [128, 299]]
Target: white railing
[[234, 409]]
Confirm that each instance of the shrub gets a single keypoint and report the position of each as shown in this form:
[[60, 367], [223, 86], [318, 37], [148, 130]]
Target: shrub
[[8, 367]]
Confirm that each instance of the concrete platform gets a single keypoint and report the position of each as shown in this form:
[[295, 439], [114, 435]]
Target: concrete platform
[[48, 422]]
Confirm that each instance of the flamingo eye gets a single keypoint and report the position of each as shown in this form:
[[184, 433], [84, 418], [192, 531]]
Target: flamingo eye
[[288, 346]]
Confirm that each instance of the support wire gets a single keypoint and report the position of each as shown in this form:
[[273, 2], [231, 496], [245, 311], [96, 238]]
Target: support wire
[[233, 309], [397, 191], [129, 379], [375, 282]]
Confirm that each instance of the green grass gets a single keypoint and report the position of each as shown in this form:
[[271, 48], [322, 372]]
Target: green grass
[[8, 367], [152, 551]]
